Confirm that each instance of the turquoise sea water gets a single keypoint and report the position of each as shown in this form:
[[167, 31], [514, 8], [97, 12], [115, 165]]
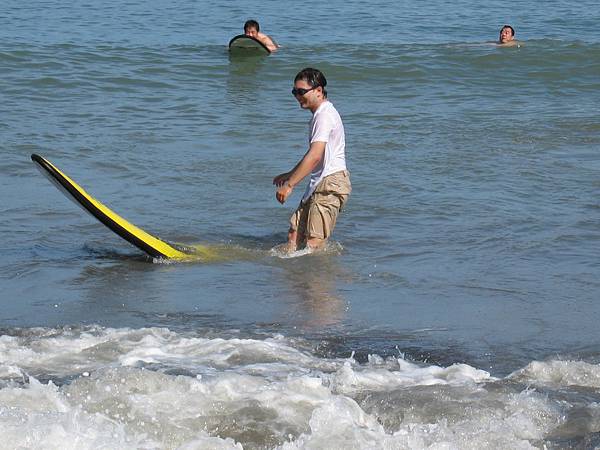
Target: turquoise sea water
[[457, 305]]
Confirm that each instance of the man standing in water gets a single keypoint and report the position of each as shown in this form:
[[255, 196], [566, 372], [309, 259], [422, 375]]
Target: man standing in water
[[325, 161], [252, 29]]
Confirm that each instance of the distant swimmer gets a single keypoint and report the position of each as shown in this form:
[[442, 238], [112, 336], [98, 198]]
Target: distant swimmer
[[507, 37], [252, 29], [329, 187]]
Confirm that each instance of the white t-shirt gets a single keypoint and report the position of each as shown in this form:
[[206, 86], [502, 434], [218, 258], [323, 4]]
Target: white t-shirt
[[326, 126]]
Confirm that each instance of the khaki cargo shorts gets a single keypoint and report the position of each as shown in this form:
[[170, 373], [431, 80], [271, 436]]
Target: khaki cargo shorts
[[316, 218]]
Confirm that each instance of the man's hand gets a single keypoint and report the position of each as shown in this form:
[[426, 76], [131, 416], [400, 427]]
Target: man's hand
[[283, 192], [280, 180]]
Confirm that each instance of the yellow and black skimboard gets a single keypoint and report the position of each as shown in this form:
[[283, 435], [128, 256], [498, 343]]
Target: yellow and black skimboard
[[151, 245]]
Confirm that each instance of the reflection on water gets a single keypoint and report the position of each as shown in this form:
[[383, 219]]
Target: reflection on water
[[131, 287], [242, 80], [313, 280]]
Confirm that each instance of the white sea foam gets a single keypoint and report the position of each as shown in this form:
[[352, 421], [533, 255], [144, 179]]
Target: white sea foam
[[281, 250], [348, 380], [558, 373], [513, 423], [154, 388]]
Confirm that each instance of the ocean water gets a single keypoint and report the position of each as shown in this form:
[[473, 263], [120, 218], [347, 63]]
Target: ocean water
[[457, 305]]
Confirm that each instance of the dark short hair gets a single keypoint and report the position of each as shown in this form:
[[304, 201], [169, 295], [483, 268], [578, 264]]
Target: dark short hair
[[251, 24], [314, 77], [512, 30]]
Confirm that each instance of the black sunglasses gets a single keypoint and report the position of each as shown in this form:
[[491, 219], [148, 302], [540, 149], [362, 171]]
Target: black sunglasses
[[302, 91]]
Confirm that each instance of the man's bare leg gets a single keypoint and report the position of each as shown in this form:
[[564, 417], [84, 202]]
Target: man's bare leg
[[293, 240]]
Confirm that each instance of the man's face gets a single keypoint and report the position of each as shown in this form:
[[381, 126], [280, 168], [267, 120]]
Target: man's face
[[251, 31], [506, 35], [307, 99]]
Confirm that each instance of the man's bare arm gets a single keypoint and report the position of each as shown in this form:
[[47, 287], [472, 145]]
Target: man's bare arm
[[311, 159]]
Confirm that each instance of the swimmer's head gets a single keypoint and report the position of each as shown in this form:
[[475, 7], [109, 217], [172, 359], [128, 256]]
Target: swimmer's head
[[507, 34], [251, 28]]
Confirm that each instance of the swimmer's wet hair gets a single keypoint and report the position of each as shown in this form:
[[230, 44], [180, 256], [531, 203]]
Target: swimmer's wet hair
[[512, 30], [314, 77], [251, 24]]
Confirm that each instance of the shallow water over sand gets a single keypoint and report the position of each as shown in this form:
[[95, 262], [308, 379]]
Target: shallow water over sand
[[456, 305]]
